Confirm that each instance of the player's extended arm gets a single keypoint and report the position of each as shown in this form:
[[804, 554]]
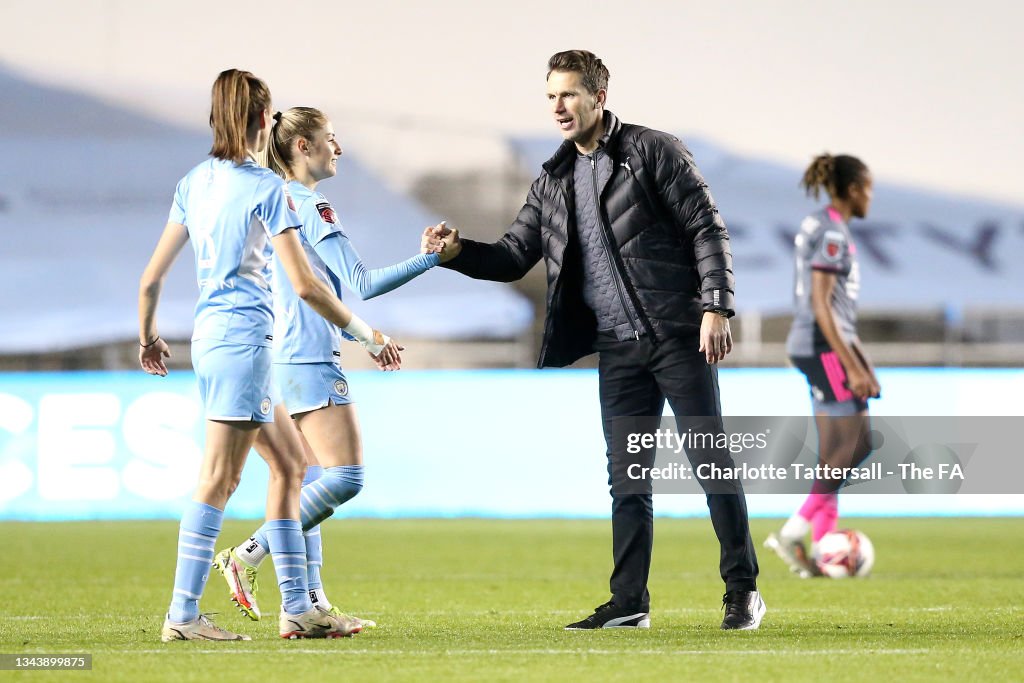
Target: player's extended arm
[[512, 256], [859, 376], [321, 299], [153, 349], [340, 255]]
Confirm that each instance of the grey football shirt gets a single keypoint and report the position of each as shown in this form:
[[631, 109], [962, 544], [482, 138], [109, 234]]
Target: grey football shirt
[[823, 243]]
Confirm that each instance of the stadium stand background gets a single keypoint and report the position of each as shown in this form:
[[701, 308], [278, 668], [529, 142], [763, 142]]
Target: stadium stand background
[[942, 283], [942, 289]]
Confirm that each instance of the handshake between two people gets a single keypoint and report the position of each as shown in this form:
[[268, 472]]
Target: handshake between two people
[[441, 240], [437, 239]]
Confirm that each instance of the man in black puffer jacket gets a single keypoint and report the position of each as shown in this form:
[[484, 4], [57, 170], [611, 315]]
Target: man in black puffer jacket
[[639, 270]]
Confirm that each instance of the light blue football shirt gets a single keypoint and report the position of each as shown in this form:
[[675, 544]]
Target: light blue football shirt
[[301, 335], [231, 212]]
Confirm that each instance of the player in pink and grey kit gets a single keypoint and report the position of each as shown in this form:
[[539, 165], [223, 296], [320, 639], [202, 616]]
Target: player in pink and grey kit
[[823, 344]]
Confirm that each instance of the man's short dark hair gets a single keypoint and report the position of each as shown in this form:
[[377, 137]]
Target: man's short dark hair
[[593, 73]]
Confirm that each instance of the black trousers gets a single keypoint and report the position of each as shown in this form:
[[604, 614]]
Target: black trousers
[[636, 377]]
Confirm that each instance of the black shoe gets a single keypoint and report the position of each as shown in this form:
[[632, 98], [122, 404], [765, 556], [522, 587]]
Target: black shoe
[[610, 615], [743, 610]]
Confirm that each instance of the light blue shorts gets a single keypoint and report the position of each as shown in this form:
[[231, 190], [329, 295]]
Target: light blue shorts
[[234, 380], [310, 386]]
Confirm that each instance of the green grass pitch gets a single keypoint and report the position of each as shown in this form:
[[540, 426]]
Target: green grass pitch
[[485, 600]]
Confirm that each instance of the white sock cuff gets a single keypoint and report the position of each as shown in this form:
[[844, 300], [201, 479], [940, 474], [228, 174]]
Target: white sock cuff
[[795, 528], [251, 552]]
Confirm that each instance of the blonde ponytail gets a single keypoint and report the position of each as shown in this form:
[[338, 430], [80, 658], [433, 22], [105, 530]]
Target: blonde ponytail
[[297, 122]]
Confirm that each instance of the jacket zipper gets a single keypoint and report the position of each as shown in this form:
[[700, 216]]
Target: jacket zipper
[[608, 253]]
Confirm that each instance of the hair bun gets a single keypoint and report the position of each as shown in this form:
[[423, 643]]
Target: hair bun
[[277, 117]]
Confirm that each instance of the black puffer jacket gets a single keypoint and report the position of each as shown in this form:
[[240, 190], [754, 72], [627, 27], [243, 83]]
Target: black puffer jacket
[[670, 246]]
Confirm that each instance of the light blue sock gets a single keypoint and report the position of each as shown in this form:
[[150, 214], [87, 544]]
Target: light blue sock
[[313, 472], [260, 536], [200, 526], [323, 490], [314, 557], [336, 486], [319, 499], [314, 549], [288, 551]]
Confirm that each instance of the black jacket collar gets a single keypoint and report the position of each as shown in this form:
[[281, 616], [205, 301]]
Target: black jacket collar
[[561, 164]]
